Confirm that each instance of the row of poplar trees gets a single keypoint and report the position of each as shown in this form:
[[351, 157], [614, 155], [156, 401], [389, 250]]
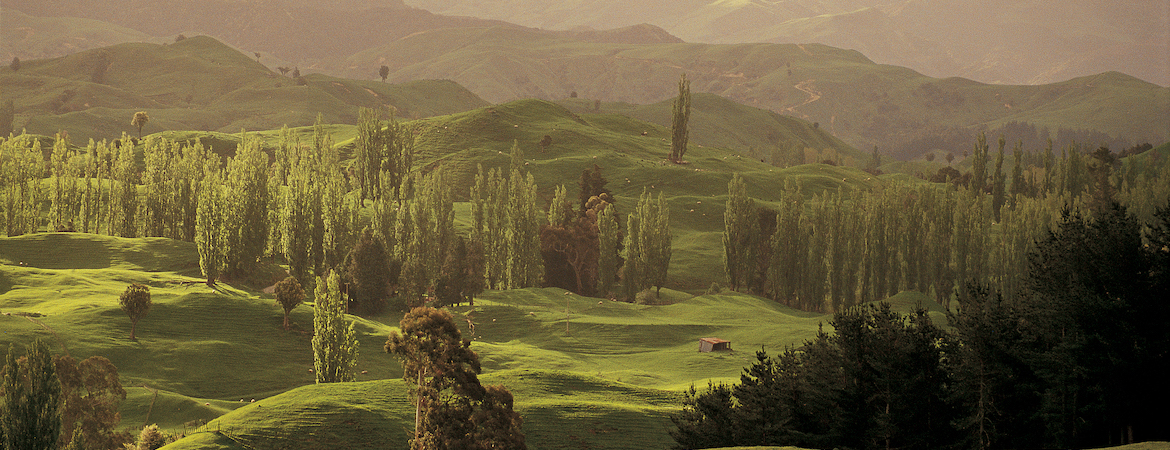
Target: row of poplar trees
[[832, 250], [299, 203]]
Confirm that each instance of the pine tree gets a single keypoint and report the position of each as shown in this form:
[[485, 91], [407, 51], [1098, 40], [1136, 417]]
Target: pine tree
[[335, 345], [681, 114]]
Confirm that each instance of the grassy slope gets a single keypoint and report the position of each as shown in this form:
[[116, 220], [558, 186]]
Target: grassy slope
[[198, 84], [610, 382], [719, 122]]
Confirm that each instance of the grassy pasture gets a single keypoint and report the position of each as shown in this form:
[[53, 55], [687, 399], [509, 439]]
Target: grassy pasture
[[204, 354]]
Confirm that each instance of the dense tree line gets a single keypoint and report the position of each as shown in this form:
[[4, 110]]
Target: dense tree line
[[831, 250], [296, 202], [1075, 357]]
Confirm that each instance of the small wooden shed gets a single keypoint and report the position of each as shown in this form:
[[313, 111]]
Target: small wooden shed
[[710, 344]]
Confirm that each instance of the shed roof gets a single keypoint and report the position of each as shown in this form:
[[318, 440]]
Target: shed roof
[[714, 340]]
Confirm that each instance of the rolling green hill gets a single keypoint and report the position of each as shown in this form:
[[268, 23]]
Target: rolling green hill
[[198, 84], [718, 122], [608, 378]]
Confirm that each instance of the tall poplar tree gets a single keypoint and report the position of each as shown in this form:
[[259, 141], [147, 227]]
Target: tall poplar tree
[[656, 239], [740, 234], [210, 233], [979, 165], [369, 150], [335, 345], [299, 218], [246, 214], [680, 115], [125, 195], [634, 266], [999, 181], [608, 235]]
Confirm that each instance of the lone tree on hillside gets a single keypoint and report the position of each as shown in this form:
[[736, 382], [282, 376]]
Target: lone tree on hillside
[[289, 295], [384, 72], [30, 418], [135, 301], [140, 119], [452, 408], [678, 122], [15, 65]]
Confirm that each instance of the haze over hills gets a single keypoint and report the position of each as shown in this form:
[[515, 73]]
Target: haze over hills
[[1004, 42], [199, 84], [857, 100], [286, 32], [862, 102]]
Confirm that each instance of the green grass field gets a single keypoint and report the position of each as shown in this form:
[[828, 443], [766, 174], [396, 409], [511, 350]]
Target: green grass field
[[607, 378]]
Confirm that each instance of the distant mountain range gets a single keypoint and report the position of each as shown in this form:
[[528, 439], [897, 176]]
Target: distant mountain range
[[199, 84], [845, 92], [996, 41], [864, 103]]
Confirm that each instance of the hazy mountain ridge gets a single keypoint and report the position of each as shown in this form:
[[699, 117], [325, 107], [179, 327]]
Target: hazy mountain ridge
[[199, 84], [864, 103], [285, 32], [1028, 42], [857, 100]]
